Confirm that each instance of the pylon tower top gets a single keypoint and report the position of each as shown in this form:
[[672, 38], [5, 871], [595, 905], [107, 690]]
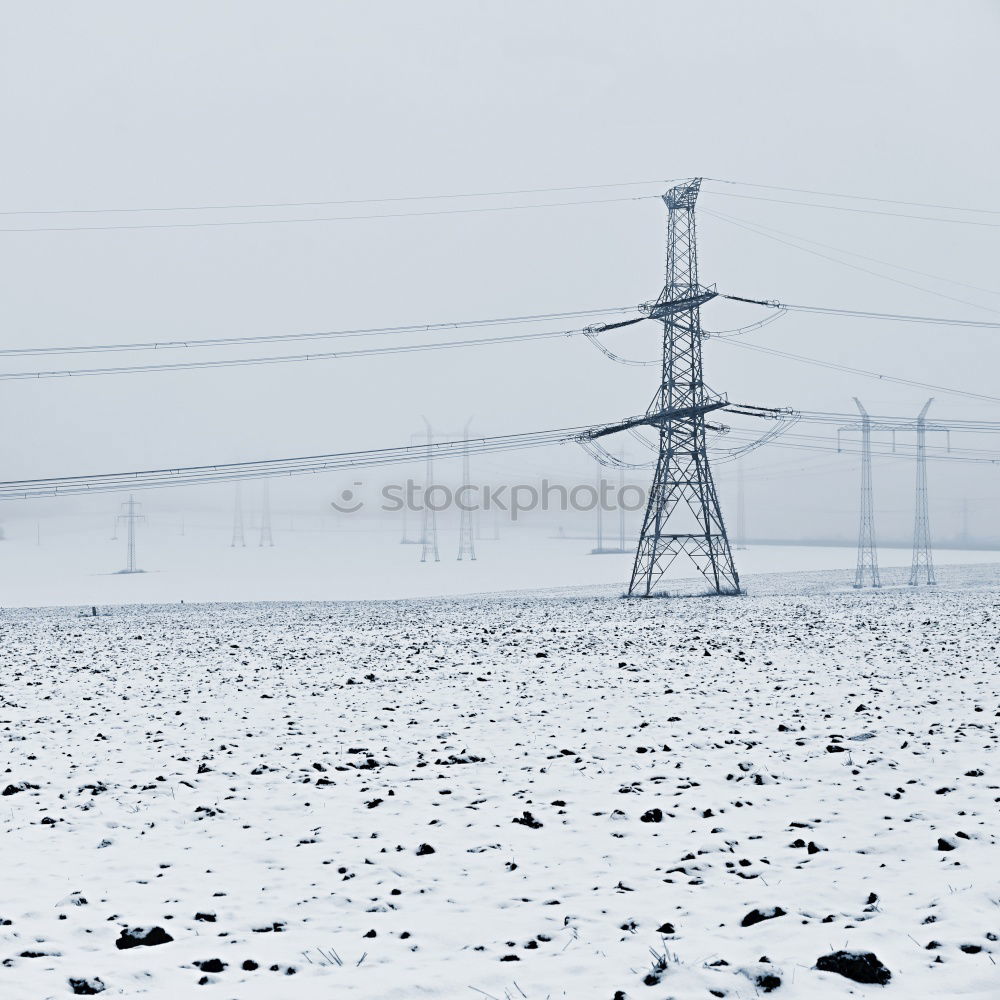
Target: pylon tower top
[[683, 516], [683, 195]]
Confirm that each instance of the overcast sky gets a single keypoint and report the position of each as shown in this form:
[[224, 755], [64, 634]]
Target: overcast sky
[[125, 105]]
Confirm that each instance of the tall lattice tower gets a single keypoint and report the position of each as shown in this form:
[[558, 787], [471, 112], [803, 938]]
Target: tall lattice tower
[[923, 563], [621, 506], [265, 515], [238, 536], [429, 540], [683, 516], [130, 516], [466, 531], [867, 549], [741, 509], [599, 510]]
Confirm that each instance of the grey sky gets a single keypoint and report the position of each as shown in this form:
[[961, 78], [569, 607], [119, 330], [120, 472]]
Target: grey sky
[[137, 105]]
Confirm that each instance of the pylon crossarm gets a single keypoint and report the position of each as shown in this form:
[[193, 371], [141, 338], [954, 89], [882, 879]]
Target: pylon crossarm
[[667, 307], [659, 419]]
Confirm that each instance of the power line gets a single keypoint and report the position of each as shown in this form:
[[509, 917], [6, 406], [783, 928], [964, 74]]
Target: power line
[[341, 201], [901, 448], [298, 358], [982, 324], [237, 471], [161, 345], [854, 197], [860, 211], [969, 426], [510, 192], [987, 458], [370, 458], [332, 218], [795, 243], [881, 376]]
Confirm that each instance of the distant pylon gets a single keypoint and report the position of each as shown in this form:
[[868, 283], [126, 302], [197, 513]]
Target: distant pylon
[[741, 512], [466, 533], [265, 514], [964, 534], [683, 515], [867, 549], [429, 540], [238, 537], [621, 506], [404, 538], [600, 511], [922, 559], [130, 517]]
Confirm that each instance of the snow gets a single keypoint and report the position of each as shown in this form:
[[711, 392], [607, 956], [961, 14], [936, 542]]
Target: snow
[[258, 780]]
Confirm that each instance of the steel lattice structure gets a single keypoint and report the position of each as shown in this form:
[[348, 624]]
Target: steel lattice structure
[[683, 494], [466, 534], [429, 535], [867, 565], [867, 547], [239, 537], [130, 516], [266, 538], [923, 562]]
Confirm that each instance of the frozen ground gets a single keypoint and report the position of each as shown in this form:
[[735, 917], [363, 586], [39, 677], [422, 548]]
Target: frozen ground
[[593, 778]]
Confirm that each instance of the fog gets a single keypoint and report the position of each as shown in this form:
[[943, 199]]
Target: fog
[[123, 106]]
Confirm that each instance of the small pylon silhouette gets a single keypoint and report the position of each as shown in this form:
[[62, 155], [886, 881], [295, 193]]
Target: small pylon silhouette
[[265, 515], [130, 516], [923, 561], [466, 533], [429, 540], [238, 536], [867, 547]]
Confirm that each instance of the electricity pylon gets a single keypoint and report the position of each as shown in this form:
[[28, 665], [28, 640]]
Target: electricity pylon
[[405, 537], [683, 515], [466, 534], [867, 550], [429, 541], [922, 560], [741, 512], [867, 547], [600, 511], [621, 506], [238, 536], [130, 517], [265, 514]]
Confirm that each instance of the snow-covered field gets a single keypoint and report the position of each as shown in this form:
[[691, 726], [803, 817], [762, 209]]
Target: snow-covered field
[[503, 796]]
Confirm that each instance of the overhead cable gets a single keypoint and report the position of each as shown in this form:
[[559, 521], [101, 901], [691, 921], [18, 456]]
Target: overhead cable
[[376, 331]]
